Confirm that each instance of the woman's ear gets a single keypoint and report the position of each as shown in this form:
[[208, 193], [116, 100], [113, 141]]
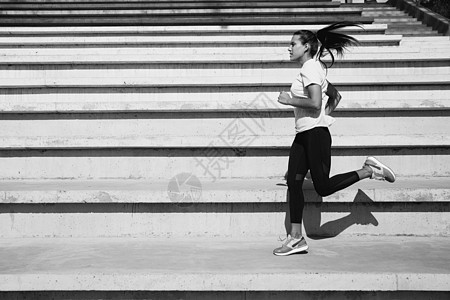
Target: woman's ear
[[306, 47]]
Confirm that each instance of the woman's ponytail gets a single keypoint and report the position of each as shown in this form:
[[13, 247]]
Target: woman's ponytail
[[331, 40]]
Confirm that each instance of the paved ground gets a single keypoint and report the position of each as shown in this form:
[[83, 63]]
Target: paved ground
[[364, 263]]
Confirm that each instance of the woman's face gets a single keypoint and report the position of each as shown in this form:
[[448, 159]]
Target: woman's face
[[296, 49]]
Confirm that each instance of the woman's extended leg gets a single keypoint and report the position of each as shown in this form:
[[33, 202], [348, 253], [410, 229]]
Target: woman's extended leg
[[317, 144]]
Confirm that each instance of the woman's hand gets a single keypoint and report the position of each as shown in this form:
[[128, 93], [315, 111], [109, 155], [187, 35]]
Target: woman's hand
[[284, 98]]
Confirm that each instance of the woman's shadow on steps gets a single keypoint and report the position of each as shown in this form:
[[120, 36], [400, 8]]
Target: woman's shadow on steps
[[359, 213]]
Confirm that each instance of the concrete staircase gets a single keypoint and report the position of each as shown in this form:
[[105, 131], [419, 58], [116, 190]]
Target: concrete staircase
[[143, 153], [399, 22]]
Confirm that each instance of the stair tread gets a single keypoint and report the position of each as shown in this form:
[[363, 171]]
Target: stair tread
[[156, 1], [178, 12], [224, 264], [175, 4], [204, 20], [179, 39]]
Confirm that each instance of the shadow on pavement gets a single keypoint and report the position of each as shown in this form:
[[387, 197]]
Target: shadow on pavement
[[359, 213]]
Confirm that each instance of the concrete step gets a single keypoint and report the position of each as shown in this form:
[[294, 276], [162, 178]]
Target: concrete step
[[428, 39], [172, 48], [202, 78], [405, 22], [380, 61], [385, 13], [123, 5], [396, 19], [194, 20], [406, 190], [409, 26], [152, 1], [164, 41], [144, 100], [408, 46], [177, 12], [163, 5], [193, 129], [270, 57], [420, 28], [429, 82], [433, 41], [406, 25], [224, 268], [238, 160], [412, 32], [179, 30], [234, 208]]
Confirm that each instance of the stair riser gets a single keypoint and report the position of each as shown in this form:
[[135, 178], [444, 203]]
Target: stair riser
[[158, 1], [105, 12], [179, 76], [161, 5], [202, 70], [195, 129], [395, 20], [183, 31], [268, 19], [393, 13], [138, 44], [183, 91], [176, 30], [249, 295], [235, 224], [208, 163], [183, 55], [140, 100], [264, 191], [434, 45], [176, 50], [175, 54], [187, 41]]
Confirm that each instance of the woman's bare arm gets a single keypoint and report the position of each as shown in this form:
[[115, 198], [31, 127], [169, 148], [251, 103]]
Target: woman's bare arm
[[313, 102]]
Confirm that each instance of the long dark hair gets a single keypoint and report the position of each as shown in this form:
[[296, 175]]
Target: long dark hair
[[329, 40]]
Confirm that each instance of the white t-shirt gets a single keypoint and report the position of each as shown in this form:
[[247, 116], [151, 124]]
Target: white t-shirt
[[312, 72]]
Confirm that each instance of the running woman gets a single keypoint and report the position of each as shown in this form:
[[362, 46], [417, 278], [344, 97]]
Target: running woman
[[311, 149]]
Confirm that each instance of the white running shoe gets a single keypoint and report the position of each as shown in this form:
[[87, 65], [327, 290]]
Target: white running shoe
[[291, 246], [379, 170]]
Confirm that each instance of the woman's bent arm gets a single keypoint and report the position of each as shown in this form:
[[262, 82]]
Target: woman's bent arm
[[313, 102]]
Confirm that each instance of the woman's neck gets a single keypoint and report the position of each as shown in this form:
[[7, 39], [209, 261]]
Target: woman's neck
[[304, 59]]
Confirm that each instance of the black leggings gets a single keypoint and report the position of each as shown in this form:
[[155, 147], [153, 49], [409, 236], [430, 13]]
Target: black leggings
[[311, 150]]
